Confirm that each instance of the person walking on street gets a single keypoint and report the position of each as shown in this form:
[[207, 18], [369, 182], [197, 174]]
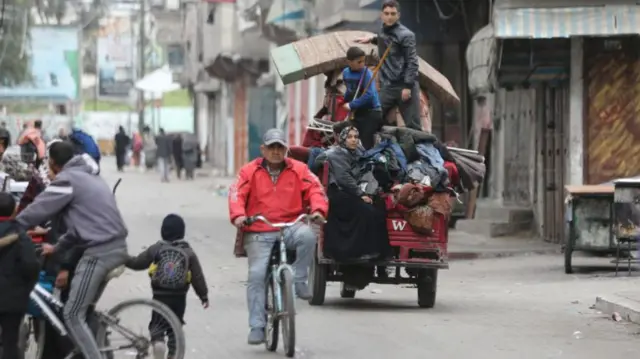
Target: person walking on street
[[177, 154], [399, 72], [164, 150], [190, 154], [121, 142], [171, 287]]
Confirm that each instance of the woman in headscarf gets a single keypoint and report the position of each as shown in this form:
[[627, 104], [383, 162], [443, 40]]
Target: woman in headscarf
[[356, 227]]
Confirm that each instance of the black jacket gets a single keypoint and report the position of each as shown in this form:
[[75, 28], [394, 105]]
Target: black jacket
[[344, 170], [149, 256], [401, 66], [19, 269]]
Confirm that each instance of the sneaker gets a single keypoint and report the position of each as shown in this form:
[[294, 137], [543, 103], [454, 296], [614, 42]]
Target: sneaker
[[159, 350], [302, 291], [256, 336]]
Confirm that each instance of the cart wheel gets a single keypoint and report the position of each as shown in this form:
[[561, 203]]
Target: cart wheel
[[568, 252], [346, 292], [427, 286], [318, 278]]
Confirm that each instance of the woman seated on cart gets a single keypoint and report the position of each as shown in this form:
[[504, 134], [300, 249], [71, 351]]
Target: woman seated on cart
[[356, 227]]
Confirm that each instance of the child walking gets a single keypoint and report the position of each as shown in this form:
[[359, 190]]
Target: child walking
[[366, 107], [173, 266], [19, 270]]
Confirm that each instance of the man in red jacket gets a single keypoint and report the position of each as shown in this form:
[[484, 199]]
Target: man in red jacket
[[280, 189]]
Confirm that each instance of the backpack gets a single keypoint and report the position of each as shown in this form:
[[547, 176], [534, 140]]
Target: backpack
[[84, 143], [170, 269]]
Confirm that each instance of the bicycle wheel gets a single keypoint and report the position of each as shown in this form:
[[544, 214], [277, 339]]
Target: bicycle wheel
[[273, 320], [163, 329], [288, 315], [32, 337]]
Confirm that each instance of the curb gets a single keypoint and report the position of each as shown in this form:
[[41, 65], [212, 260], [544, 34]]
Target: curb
[[500, 254], [628, 310]]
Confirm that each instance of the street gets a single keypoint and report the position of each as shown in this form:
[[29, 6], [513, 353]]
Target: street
[[519, 307]]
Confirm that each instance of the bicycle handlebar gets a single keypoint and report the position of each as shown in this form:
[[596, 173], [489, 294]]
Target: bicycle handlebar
[[251, 220]]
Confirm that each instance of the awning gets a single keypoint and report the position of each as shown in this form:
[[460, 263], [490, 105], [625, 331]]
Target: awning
[[554, 22]]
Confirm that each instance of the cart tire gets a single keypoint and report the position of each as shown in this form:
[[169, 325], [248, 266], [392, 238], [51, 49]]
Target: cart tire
[[427, 287], [346, 292], [318, 277], [568, 253]]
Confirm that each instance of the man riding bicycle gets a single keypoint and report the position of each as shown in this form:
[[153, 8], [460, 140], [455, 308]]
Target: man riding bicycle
[[280, 189], [94, 225]]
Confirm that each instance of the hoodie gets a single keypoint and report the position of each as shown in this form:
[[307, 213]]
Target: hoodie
[[172, 232], [85, 202]]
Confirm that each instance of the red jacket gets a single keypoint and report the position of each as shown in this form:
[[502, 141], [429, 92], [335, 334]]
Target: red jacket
[[255, 193]]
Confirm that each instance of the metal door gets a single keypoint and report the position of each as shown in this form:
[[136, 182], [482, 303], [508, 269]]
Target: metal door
[[554, 102], [262, 116]]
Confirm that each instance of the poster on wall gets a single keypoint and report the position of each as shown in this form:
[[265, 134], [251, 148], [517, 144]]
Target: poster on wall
[[55, 67], [115, 56]]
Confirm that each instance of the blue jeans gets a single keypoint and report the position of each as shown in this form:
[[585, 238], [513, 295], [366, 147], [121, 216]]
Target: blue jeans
[[258, 246]]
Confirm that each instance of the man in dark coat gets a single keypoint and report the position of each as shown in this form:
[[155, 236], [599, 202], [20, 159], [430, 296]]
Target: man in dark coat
[[177, 154], [19, 269], [121, 142], [399, 72]]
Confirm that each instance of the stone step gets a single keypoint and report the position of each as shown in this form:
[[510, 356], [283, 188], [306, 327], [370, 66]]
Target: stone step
[[504, 214], [492, 228]]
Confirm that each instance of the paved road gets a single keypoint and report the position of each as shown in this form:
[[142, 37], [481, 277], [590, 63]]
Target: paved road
[[494, 308]]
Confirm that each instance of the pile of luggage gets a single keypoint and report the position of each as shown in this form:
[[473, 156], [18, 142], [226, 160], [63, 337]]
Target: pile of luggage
[[416, 174]]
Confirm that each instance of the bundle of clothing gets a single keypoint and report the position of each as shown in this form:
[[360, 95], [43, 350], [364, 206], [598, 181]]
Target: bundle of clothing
[[419, 174]]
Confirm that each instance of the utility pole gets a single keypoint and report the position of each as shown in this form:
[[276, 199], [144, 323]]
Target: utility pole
[[142, 72]]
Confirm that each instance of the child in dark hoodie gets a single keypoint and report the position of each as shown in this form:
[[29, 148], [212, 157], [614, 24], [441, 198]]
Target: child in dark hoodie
[[19, 270], [173, 266]]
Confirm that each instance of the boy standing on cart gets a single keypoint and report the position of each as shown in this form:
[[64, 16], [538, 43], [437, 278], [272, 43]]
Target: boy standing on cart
[[362, 95]]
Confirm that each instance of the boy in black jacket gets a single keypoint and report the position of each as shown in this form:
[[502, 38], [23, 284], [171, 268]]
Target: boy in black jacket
[[173, 266], [19, 270]]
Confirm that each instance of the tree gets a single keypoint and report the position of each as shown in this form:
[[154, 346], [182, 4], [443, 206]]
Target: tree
[[14, 42]]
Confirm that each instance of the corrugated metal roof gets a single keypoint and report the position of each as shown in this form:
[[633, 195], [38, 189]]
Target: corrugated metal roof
[[554, 22]]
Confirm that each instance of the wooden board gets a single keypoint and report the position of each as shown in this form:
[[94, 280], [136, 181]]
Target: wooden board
[[317, 55], [589, 189]]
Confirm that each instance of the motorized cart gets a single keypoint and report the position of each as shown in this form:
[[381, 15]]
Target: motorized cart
[[417, 255], [416, 260]]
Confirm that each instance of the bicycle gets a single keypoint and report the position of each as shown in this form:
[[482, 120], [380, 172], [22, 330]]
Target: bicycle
[[280, 296], [105, 323]]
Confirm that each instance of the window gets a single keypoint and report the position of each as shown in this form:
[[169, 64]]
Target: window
[[175, 56]]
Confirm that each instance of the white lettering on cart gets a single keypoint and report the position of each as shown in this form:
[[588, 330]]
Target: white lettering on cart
[[398, 225]]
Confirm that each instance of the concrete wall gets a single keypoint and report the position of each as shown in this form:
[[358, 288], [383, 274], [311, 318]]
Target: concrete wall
[[575, 129]]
